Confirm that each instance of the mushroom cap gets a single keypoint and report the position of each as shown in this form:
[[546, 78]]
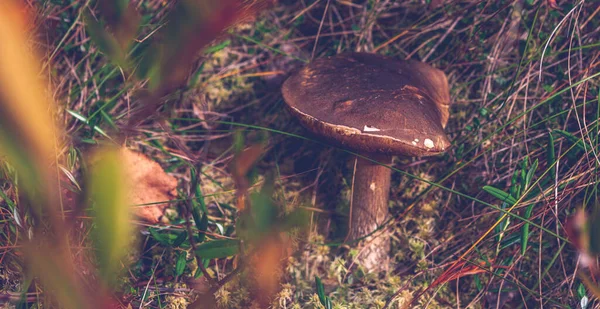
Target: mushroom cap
[[371, 103]]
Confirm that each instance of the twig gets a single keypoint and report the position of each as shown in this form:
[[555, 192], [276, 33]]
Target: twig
[[227, 278], [312, 56], [442, 38], [150, 280]]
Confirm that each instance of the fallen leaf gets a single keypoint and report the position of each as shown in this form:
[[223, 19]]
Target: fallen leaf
[[149, 186]]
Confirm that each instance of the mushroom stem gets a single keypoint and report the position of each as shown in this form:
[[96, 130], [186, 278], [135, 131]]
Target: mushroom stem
[[370, 208]]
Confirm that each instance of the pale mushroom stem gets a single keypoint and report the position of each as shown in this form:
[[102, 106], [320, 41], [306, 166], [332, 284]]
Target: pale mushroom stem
[[370, 209]]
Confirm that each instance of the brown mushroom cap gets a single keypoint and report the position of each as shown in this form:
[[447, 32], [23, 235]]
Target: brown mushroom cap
[[371, 103]]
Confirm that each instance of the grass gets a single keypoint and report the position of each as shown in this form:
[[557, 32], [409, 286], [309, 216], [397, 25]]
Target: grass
[[484, 226]]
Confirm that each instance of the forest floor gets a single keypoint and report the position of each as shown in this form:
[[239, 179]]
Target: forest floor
[[484, 225]]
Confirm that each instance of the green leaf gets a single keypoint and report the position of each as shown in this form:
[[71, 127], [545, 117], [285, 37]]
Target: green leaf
[[501, 195], [181, 262], [196, 214], [85, 120], [551, 156], [180, 239], [111, 212], [218, 47], [202, 227], [198, 272], [525, 228], [581, 290], [196, 76], [321, 291], [509, 240], [573, 139], [217, 249], [515, 188], [484, 111], [478, 284], [524, 168], [328, 304], [162, 239], [530, 173]]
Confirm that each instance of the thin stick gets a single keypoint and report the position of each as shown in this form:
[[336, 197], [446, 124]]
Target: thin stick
[[312, 56]]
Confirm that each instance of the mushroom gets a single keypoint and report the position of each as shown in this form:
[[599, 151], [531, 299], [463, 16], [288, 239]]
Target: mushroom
[[377, 107]]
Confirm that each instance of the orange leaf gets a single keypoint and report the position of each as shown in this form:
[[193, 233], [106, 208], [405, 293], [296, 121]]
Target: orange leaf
[[151, 188]]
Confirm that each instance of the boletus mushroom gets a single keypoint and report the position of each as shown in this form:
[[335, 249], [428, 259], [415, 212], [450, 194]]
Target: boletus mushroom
[[377, 107]]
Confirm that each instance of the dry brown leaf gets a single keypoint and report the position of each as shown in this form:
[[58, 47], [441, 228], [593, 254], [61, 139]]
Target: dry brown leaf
[[149, 184]]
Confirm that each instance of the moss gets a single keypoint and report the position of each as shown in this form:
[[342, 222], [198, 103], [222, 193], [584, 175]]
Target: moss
[[176, 302], [222, 82]]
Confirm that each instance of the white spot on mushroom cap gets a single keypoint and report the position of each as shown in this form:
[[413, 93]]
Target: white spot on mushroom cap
[[370, 129], [428, 143], [372, 186]]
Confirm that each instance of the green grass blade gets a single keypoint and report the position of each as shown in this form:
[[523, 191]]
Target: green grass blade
[[525, 229]]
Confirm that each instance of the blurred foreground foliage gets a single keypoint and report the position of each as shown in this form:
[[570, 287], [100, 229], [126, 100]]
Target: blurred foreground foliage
[[48, 202]]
